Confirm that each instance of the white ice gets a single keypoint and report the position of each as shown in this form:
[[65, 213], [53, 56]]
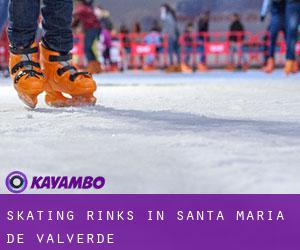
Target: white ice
[[157, 133]]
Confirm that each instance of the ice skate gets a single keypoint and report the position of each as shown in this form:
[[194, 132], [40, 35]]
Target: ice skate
[[148, 68], [245, 67], [270, 66], [63, 78], [230, 67], [202, 67], [186, 68], [26, 74], [290, 67], [94, 67], [171, 69]]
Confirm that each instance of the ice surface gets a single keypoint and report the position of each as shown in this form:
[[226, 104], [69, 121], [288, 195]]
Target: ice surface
[[156, 133]]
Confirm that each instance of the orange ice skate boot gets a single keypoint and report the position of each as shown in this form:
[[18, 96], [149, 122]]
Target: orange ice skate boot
[[148, 68], [290, 67], [230, 67], [270, 66], [63, 78], [26, 74], [94, 67], [202, 67], [186, 68], [171, 68], [245, 67]]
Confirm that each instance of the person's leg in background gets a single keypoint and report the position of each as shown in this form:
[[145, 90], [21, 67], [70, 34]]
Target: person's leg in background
[[106, 56], [277, 24], [232, 54], [61, 75], [90, 35], [171, 49], [265, 47], [3, 13], [177, 52], [202, 67], [185, 67], [292, 23], [243, 58], [24, 67]]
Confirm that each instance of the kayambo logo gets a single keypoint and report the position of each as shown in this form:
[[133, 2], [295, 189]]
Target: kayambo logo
[[16, 182]]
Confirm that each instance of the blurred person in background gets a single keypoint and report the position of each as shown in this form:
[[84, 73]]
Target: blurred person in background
[[115, 52], [3, 14], [124, 32], [188, 40], [105, 42], [84, 15], [126, 45], [156, 27], [136, 37], [292, 13], [277, 24], [104, 18], [265, 47], [170, 28], [203, 28], [78, 47], [136, 27], [137, 30], [153, 38], [3, 20], [236, 39]]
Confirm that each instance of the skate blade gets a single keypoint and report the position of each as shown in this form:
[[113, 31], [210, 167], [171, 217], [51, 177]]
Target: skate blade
[[59, 104], [57, 100], [84, 101], [75, 101]]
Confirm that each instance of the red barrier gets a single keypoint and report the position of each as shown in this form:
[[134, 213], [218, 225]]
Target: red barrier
[[219, 48], [298, 48], [78, 50], [4, 54], [144, 50], [151, 49]]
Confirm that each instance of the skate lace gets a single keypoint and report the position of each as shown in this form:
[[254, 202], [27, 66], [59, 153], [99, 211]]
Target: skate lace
[[27, 64], [64, 61]]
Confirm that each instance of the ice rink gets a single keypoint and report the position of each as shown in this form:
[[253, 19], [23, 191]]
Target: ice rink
[[156, 133]]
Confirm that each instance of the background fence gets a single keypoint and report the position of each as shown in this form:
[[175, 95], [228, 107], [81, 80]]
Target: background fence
[[139, 51]]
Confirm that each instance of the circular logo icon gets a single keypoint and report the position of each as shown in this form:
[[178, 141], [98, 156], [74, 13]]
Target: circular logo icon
[[16, 182]]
